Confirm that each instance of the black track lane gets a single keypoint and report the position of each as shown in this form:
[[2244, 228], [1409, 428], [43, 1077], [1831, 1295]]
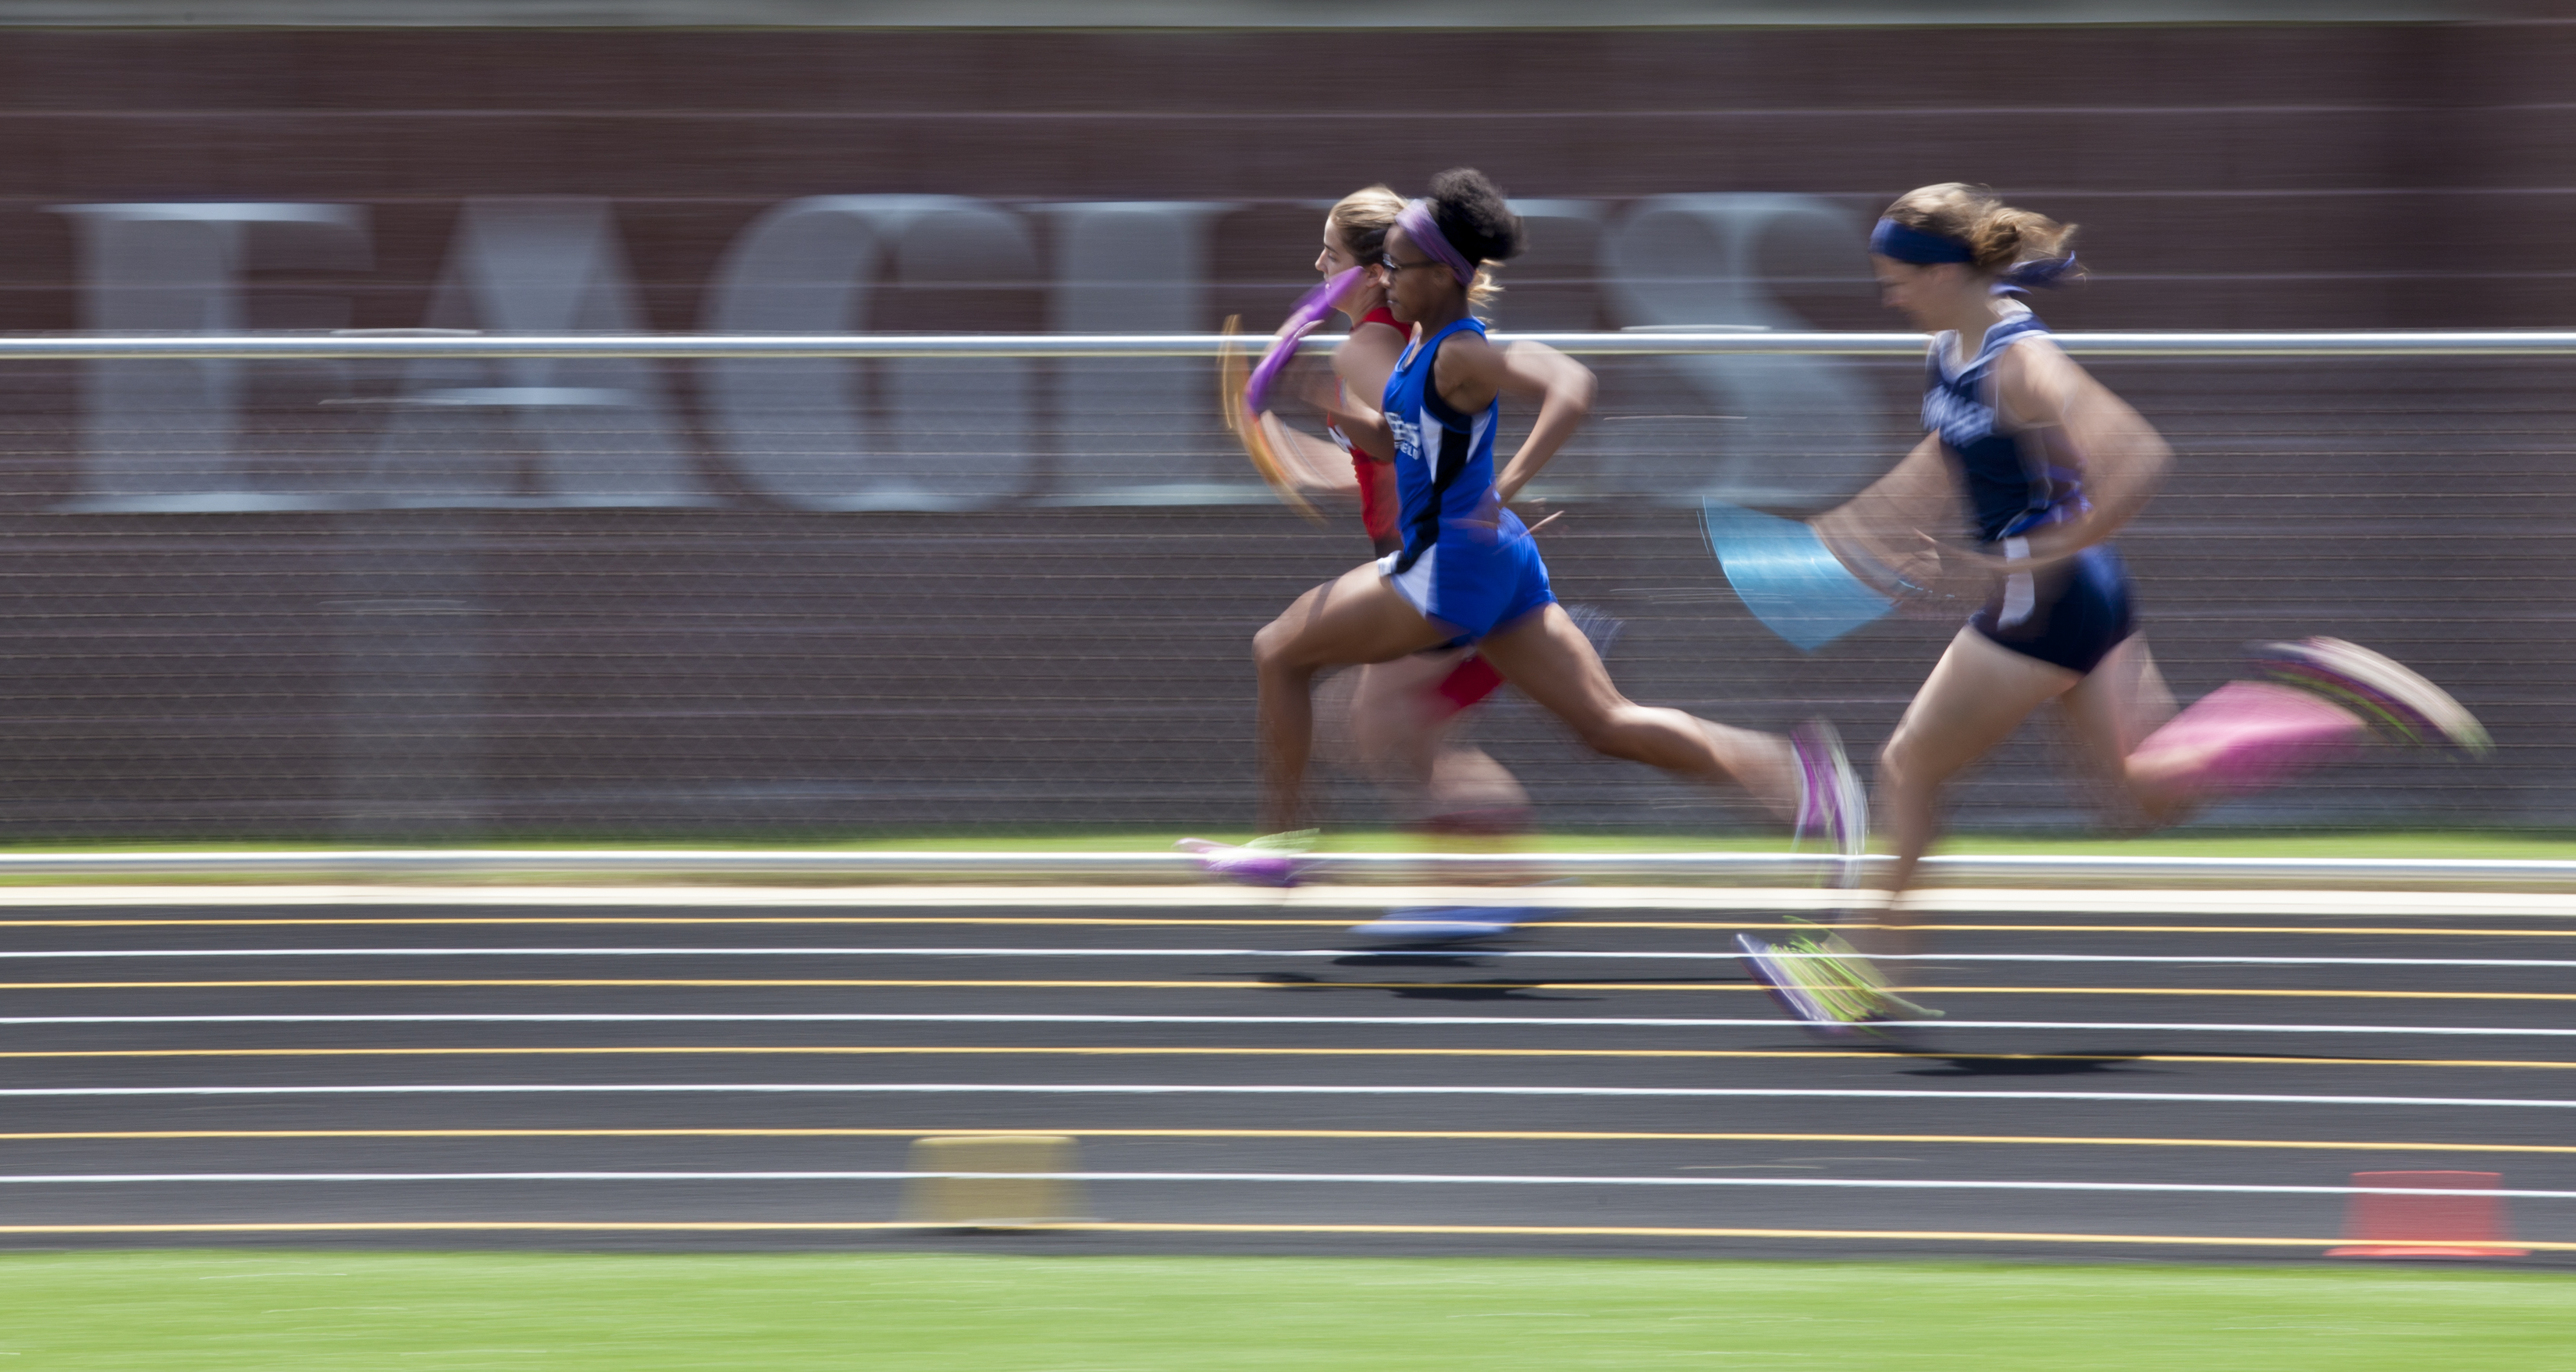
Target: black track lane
[[2054, 1105]]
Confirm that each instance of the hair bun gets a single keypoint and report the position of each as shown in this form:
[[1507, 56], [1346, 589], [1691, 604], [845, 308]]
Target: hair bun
[[1474, 215]]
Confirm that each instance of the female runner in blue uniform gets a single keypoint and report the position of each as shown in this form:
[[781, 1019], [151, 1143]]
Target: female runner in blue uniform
[[1401, 716], [1467, 571], [2052, 465]]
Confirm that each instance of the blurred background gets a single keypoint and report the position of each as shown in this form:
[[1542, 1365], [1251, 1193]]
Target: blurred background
[[442, 601]]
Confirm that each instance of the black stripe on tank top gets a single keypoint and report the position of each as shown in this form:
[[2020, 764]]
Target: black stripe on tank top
[[1457, 445]]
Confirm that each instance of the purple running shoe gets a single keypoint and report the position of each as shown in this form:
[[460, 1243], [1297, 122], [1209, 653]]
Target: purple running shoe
[[1431, 924], [1832, 804], [1272, 860]]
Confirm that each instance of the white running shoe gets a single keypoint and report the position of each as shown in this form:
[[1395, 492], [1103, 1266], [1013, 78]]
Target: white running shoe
[[2382, 690]]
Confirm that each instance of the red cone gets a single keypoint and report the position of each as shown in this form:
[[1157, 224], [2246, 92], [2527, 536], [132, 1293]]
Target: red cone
[[2450, 1215]]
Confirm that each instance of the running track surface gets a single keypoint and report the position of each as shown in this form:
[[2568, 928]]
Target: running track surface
[[703, 1069]]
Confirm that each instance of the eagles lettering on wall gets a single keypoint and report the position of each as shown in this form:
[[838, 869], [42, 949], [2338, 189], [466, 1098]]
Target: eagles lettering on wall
[[901, 434]]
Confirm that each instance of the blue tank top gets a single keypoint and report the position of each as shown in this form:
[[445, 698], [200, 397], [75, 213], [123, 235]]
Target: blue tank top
[[2012, 487], [1444, 460]]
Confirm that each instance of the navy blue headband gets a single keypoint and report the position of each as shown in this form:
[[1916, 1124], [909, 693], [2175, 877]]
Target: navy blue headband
[[1894, 240], [1891, 239], [2042, 273]]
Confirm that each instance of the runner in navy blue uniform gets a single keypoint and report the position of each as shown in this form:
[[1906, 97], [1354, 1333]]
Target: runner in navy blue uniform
[[1467, 571], [2052, 465]]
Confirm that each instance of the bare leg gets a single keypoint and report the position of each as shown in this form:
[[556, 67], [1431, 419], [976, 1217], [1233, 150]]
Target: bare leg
[[1471, 792], [1389, 719], [1973, 701], [1551, 662], [1357, 618], [1410, 748], [2244, 736], [2111, 712]]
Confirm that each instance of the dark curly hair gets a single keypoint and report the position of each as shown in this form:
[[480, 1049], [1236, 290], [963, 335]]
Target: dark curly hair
[[1474, 216]]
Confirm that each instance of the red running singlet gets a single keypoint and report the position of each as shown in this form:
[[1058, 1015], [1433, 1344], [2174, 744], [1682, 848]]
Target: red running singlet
[[1474, 678], [1377, 479], [1468, 682]]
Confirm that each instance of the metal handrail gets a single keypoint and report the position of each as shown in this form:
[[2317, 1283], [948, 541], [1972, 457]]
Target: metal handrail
[[399, 346]]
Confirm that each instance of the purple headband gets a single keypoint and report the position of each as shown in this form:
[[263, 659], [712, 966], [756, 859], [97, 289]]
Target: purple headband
[[1309, 312], [1418, 225]]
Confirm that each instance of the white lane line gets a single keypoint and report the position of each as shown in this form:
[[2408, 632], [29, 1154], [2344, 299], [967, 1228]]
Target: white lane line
[[1360, 1021], [1120, 1089], [1994, 900], [983, 864], [1328, 1178], [2217, 960]]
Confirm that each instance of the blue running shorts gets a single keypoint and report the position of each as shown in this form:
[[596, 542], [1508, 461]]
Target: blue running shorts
[[1476, 578], [2071, 615]]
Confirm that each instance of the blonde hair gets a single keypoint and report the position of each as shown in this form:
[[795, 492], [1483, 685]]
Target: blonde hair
[[2000, 236], [1363, 217]]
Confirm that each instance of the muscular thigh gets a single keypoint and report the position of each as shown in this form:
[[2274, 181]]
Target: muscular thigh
[[2114, 708], [1973, 701], [1412, 674], [1545, 657], [1353, 619]]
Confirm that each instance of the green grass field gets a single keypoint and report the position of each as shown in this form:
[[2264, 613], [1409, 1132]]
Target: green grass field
[[287, 1311]]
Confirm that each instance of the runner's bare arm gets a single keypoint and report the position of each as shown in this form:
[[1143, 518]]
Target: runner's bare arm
[[1363, 363], [2041, 391], [1562, 387], [1309, 463]]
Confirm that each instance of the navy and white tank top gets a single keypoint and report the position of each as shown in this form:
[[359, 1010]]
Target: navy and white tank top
[[2012, 487], [1444, 460]]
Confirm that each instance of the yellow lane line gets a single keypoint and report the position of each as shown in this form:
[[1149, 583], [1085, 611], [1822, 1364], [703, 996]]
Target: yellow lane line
[[1113, 1227], [912, 983], [1445, 1135], [1937, 925], [880, 984], [1152, 1051]]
